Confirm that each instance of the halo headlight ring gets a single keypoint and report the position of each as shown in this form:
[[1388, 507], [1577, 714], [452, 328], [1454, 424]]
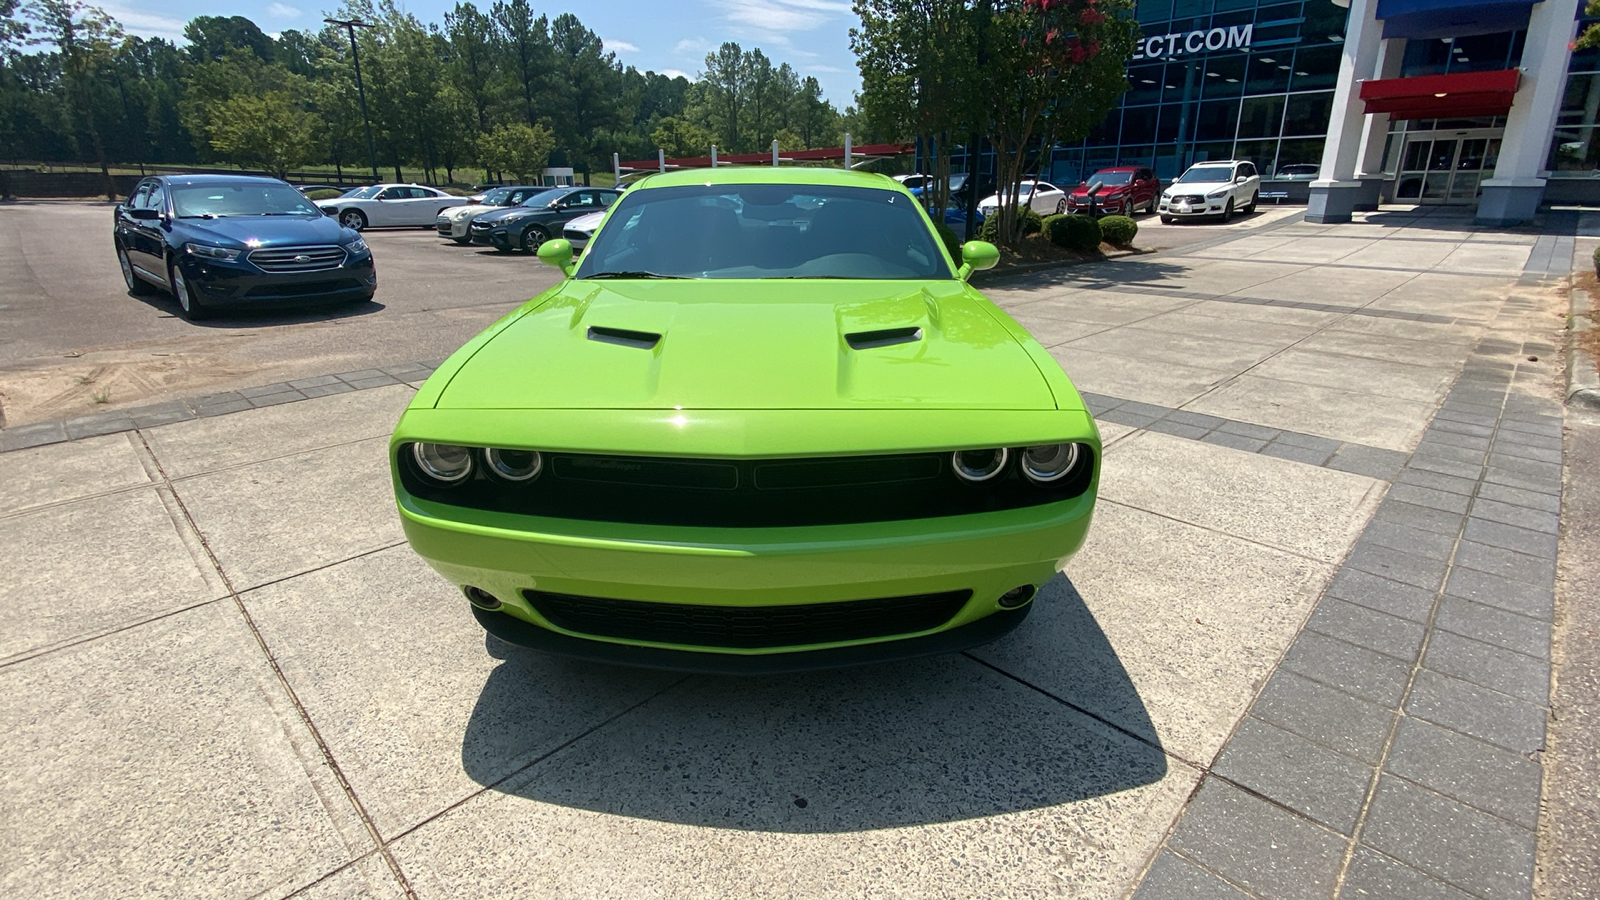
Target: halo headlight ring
[[1049, 463], [978, 466], [445, 464], [514, 465]]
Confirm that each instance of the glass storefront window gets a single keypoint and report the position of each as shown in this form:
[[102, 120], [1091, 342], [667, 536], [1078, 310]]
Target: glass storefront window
[[1218, 120], [1269, 71], [1139, 123], [1261, 117], [1316, 68], [1306, 151], [1574, 150], [1262, 153], [1224, 76], [1307, 113]]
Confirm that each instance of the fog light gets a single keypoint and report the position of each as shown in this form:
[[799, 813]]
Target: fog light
[[1016, 596], [482, 599], [979, 465]]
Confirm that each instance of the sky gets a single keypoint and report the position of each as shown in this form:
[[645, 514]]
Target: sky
[[673, 36]]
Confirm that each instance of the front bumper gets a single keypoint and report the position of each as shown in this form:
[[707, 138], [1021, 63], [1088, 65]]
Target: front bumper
[[500, 238], [989, 554], [454, 229], [238, 284], [1110, 208], [1206, 207]]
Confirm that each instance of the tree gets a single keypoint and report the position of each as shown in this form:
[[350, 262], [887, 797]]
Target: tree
[[211, 37], [83, 36], [270, 132], [681, 138], [517, 149], [524, 42]]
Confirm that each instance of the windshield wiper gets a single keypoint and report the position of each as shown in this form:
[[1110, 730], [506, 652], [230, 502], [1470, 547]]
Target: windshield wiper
[[201, 216], [809, 277], [632, 275]]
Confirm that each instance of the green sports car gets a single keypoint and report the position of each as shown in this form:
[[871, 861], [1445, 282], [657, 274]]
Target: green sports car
[[765, 425]]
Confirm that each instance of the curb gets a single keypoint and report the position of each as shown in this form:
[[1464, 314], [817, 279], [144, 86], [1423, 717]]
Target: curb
[[1583, 382]]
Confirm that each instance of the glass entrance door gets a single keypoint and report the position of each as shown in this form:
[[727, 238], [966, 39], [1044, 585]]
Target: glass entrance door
[[1446, 168]]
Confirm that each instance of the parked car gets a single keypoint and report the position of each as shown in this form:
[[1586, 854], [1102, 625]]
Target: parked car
[[452, 223], [539, 218], [1123, 190], [1213, 189], [390, 204], [217, 241], [1042, 197], [1298, 172], [764, 425], [578, 231]]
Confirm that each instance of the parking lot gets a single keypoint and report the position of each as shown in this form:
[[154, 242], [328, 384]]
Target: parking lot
[[1305, 653]]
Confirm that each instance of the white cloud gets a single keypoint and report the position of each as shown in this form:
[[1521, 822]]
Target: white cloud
[[145, 24], [282, 11], [827, 70], [778, 16], [677, 73], [620, 46], [697, 46]]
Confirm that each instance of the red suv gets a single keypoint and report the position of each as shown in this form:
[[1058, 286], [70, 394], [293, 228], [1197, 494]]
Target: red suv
[[1124, 190]]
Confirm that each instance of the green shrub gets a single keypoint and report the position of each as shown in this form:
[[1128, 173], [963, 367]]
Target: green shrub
[[1118, 231], [1081, 233], [322, 194], [1029, 220], [1597, 260], [952, 241]]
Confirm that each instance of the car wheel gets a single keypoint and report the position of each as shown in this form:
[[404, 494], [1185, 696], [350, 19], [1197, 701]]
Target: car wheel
[[1251, 206], [1061, 206], [188, 304], [1166, 220], [1227, 211], [136, 285], [462, 241], [532, 239], [353, 219]]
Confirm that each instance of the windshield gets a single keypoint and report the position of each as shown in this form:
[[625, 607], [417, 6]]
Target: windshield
[[1110, 178], [244, 198], [497, 197], [765, 231], [362, 193], [541, 198], [1207, 174]]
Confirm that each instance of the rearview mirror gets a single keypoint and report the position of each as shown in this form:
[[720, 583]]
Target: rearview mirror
[[976, 256], [558, 253]]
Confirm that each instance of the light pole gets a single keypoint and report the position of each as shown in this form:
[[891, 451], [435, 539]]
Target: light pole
[[350, 26]]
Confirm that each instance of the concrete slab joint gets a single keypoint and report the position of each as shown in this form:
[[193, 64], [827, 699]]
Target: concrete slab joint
[[1583, 381]]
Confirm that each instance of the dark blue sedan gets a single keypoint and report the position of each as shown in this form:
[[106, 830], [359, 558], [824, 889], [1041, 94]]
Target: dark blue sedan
[[233, 241]]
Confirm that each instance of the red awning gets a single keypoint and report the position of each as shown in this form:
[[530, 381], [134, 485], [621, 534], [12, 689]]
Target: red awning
[[1443, 96]]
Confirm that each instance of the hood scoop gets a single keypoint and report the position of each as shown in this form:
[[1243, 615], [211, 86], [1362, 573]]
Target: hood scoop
[[883, 337], [641, 340]]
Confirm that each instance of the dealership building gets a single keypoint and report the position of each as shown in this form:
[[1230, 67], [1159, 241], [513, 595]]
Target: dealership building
[[1477, 103]]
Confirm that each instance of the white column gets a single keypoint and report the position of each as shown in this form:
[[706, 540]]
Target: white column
[[1513, 194], [1376, 130], [1335, 193]]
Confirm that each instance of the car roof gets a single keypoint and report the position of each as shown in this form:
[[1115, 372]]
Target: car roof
[[769, 175], [218, 179], [1119, 169]]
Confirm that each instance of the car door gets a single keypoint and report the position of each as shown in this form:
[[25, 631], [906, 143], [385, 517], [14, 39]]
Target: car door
[[129, 234], [1046, 197], [1145, 188], [419, 207], [388, 208]]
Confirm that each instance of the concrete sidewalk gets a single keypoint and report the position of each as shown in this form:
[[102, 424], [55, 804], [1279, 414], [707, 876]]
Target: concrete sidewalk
[[1305, 653]]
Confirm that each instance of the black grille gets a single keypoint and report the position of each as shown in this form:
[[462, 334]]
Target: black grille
[[444, 228], [1192, 198], [571, 235], [748, 626], [298, 259], [748, 493], [303, 289]]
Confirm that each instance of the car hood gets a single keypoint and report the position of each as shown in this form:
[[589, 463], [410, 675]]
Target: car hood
[[586, 222], [748, 345], [1107, 191], [267, 231], [1198, 187]]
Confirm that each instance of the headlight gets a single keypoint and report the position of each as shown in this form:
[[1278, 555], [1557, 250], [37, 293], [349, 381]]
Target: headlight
[[1217, 195], [444, 463], [979, 465], [1166, 195], [514, 465], [204, 252], [356, 246], [1050, 462]]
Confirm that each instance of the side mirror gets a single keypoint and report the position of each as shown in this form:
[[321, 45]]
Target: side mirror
[[147, 214], [975, 256], [558, 253], [1241, 179]]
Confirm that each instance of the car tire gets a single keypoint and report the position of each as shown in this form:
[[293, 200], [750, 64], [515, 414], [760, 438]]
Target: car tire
[[353, 219], [462, 241], [188, 304], [533, 238], [1227, 211], [1251, 206], [1061, 206], [136, 286], [1166, 220]]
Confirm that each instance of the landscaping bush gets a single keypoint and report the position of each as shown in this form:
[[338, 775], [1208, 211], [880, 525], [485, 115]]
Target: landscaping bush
[[990, 229], [322, 194], [952, 241], [1080, 233], [1597, 260], [1118, 231]]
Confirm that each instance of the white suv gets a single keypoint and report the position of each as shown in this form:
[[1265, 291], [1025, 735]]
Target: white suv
[[1217, 188]]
